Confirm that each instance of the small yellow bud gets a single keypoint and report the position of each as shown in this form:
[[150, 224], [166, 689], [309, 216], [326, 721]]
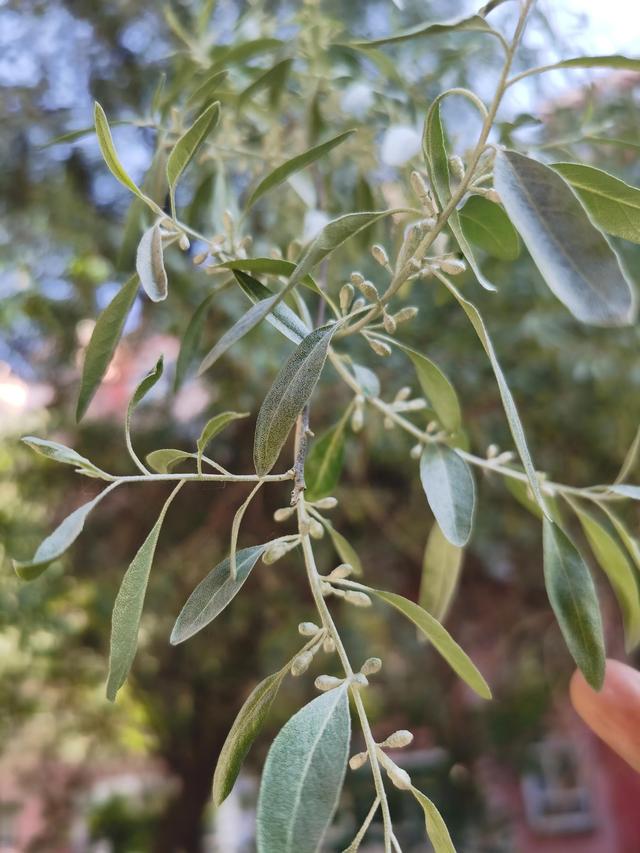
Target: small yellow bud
[[316, 530], [328, 645], [357, 278], [200, 258], [368, 290]]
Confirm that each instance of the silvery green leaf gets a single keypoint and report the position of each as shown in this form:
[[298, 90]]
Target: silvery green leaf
[[575, 604], [213, 593], [273, 79], [73, 135], [631, 543], [109, 153], [344, 548], [450, 490], [472, 23], [127, 609], [613, 205], [191, 340], [366, 379], [324, 462], [207, 87], [60, 453], [213, 426], [284, 171], [441, 566], [104, 339], [440, 638], [248, 321], [437, 160], [164, 460], [143, 388], [486, 224], [614, 563], [627, 491], [183, 151], [572, 255], [624, 63], [57, 542], [150, 264], [283, 318], [268, 266], [435, 826], [288, 395], [239, 53], [243, 732], [303, 776]]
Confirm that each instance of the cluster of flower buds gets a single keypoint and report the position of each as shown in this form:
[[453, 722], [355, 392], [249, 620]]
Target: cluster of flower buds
[[402, 403], [367, 288], [352, 596], [278, 548], [494, 455], [224, 247], [310, 629]]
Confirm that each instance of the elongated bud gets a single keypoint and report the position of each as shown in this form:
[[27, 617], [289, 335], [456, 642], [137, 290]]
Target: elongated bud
[[416, 451], [452, 266], [327, 682], [399, 777], [405, 314], [398, 739], [357, 418], [371, 666], [493, 196], [342, 571], [316, 530], [379, 347], [326, 503], [200, 258], [347, 293], [432, 427], [403, 394], [301, 663], [360, 599], [359, 679], [416, 405], [358, 304], [283, 513], [505, 457], [419, 185], [357, 278], [278, 549], [368, 290], [184, 243], [228, 221], [358, 760], [389, 323], [492, 451], [380, 255], [457, 166], [329, 645], [308, 629]]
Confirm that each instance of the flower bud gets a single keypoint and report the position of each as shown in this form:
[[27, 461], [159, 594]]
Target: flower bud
[[327, 682], [457, 166], [419, 185], [200, 258], [405, 314], [403, 394], [492, 451], [416, 451], [493, 196], [360, 599], [346, 297], [342, 571], [283, 513], [358, 304], [183, 242], [371, 666], [326, 503], [329, 645], [389, 323], [399, 777], [357, 278], [398, 739], [360, 679], [380, 255], [316, 530], [358, 760], [452, 266], [301, 663], [379, 347], [308, 629], [274, 552], [368, 290]]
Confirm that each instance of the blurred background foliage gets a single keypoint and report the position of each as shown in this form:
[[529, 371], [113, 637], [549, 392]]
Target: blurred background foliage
[[67, 238]]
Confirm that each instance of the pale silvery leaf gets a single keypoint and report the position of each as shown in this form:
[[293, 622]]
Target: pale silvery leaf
[[249, 320], [450, 490], [303, 776], [60, 453], [282, 318], [150, 264], [441, 566]]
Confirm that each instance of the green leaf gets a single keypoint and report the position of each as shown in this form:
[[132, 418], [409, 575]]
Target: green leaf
[[73, 135], [243, 732], [183, 151], [240, 53], [441, 566], [213, 593], [164, 460], [630, 542], [437, 160], [508, 403], [127, 610], [273, 79], [573, 599], [104, 340], [268, 266], [617, 61], [212, 428], [344, 548], [440, 638], [288, 395], [366, 379], [488, 226], [109, 153], [141, 391], [59, 541], [324, 462], [450, 490], [303, 776], [283, 318], [613, 205], [295, 164], [436, 827], [472, 23], [207, 87], [150, 264], [191, 340], [243, 326], [614, 563], [572, 255], [60, 453], [435, 386]]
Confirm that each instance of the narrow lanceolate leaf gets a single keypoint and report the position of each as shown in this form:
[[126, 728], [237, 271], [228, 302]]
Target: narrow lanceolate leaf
[[487, 225], [150, 264], [441, 566], [450, 490], [572, 255], [435, 825], [344, 548], [324, 462], [614, 563], [623, 63], [473, 23], [303, 776], [60, 453], [191, 340], [282, 318], [141, 391], [288, 395], [207, 87], [183, 151], [437, 160], [268, 266], [508, 403], [631, 543], [573, 599], [243, 732], [273, 79], [104, 340], [213, 427], [127, 610], [613, 205], [290, 167], [627, 490], [164, 460], [109, 153], [243, 326], [441, 639], [435, 386], [59, 541], [213, 593]]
